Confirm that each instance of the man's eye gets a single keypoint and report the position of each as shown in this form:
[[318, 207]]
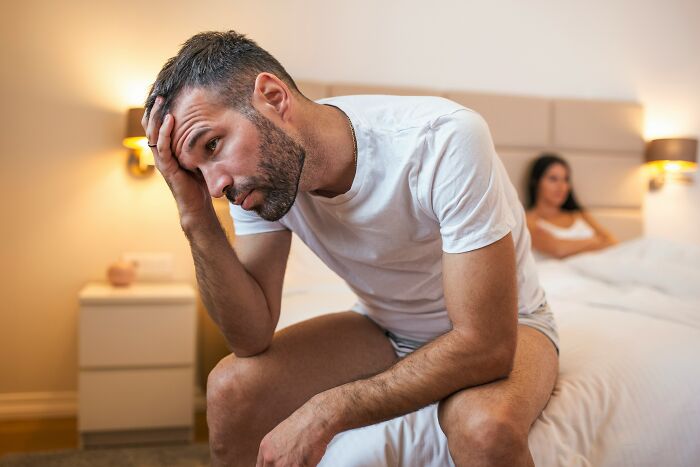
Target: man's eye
[[211, 145]]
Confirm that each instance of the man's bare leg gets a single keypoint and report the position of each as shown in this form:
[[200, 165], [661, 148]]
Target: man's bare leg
[[248, 397], [488, 425]]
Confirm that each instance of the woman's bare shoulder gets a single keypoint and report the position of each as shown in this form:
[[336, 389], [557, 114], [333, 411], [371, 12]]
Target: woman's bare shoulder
[[585, 215], [532, 221]]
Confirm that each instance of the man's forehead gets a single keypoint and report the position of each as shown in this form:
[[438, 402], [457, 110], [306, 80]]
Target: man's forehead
[[191, 98], [191, 109]]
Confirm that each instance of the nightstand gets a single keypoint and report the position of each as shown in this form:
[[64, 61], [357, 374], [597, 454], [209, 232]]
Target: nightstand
[[136, 364]]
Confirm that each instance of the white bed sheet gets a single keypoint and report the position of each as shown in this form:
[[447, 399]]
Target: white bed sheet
[[628, 393]]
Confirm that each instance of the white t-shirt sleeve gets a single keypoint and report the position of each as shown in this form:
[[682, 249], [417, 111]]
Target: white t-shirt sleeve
[[249, 222], [466, 188]]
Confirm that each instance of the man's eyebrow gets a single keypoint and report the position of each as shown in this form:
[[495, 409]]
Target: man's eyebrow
[[197, 134]]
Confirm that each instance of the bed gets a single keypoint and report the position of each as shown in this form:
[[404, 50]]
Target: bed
[[628, 392], [629, 384]]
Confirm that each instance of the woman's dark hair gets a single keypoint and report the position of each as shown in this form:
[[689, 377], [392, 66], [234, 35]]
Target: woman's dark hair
[[539, 167]]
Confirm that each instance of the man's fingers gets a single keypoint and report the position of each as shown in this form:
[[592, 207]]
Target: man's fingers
[[151, 127], [144, 121], [162, 152], [163, 141]]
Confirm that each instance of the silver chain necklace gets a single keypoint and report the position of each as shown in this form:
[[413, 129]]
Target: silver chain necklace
[[354, 137]]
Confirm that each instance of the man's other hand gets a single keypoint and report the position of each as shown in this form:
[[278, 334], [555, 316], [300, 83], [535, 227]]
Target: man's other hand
[[299, 440]]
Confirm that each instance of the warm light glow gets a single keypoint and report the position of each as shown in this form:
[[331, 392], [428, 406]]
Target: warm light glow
[[146, 158], [672, 166], [666, 119], [136, 143], [134, 91], [139, 144], [660, 126]]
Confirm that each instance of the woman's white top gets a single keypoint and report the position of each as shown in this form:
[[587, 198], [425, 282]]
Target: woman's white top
[[579, 230]]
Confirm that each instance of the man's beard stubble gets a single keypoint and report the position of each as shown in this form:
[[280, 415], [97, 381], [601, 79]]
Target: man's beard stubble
[[281, 164]]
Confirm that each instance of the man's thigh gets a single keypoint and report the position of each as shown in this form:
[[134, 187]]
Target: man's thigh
[[303, 360], [515, 402]]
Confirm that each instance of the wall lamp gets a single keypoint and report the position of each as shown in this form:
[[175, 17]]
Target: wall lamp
[[140, 162], [672, 158]]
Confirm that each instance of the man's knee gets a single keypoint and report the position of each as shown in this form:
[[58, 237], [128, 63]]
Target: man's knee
[[232, 387], [485, 433], [234, 383]]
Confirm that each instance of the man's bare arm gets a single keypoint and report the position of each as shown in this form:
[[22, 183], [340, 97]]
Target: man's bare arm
[[241, 295], [244, 301], [481, 298]]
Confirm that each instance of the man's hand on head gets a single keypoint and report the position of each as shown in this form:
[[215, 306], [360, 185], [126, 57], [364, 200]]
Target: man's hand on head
[[189, 188], [158, 130]]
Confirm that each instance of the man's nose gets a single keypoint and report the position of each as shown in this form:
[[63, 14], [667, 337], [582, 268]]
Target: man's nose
[[217, 181]]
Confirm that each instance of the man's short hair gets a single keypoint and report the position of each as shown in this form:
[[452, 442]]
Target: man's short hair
[[224, 62]]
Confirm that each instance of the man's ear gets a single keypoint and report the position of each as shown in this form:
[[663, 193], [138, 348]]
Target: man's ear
[[272, 97]]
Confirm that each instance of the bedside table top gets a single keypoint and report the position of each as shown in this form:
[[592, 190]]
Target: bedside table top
[[103, 293]]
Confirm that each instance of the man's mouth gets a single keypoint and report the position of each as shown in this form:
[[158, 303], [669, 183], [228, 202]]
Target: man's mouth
[[247, 202], [240, 198]]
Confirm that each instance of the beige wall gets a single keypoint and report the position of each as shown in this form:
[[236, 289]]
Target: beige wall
[[70, 207], [674, 211], [70, 69]]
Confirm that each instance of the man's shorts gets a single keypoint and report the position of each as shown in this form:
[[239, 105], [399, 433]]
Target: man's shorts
[[541, 319]]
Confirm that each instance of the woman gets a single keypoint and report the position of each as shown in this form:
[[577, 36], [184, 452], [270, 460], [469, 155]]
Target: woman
[[558, 225]]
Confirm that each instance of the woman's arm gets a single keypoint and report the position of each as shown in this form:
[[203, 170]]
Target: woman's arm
[[608, 239], [547, 243]]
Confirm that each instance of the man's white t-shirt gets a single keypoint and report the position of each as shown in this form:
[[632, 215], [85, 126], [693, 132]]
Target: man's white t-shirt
[[428, 180]]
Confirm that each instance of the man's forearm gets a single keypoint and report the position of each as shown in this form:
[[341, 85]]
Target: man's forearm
[[231, 295], [431, 373]]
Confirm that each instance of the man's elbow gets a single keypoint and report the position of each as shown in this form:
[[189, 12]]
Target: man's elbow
[[248, 352], [249, 349], [254, 341], [504, 361], [503, 357], [498, 358]]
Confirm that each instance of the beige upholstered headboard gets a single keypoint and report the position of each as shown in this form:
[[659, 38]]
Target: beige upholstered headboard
[[601, 140]]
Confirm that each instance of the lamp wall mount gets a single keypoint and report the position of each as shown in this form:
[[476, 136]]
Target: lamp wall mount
[[140, 161]]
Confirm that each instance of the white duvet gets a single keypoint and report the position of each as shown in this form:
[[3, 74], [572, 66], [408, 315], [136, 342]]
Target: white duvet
[[628, 392]]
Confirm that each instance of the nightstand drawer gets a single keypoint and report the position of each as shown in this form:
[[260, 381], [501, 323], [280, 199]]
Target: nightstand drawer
[[135, 399], [119, 335]]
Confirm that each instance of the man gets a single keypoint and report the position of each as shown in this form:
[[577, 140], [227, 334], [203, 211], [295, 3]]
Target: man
[[405, 198]]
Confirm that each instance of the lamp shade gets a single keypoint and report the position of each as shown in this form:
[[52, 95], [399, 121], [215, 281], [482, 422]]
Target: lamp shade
[[133, 123], [135, 137], [140, 161], [672, 149]]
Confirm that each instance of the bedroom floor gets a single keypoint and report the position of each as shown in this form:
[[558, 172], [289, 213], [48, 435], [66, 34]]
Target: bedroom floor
[[59, 433]]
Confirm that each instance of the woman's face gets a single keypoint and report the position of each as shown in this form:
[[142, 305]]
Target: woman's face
[[554, 185]]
